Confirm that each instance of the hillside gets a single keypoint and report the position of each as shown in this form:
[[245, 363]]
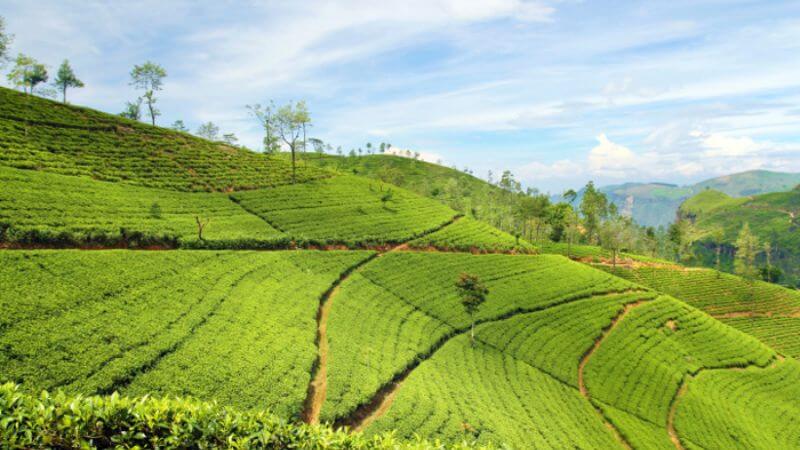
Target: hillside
[[656, 204], [772, 218], [352, 320]]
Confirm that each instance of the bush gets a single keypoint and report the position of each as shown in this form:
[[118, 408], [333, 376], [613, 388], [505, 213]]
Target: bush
[[61, 421]]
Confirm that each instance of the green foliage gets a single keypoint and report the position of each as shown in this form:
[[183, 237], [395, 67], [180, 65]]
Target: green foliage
[[238, 327], [61, 421], [746, 248], [480, 393], [345, 210], [80, 211], [748, 409], [470, 235], [642, 362], [40, 134], [5, 41], [149, 77], [27, 73], [761, 309], [66, 79], [208, 131], [397, 308]]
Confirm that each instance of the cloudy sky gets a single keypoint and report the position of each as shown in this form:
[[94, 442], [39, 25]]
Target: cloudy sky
[[558, 92]]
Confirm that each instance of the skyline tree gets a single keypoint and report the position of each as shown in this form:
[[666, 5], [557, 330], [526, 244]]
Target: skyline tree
[[27, 73], [149, 77], [66, 78]]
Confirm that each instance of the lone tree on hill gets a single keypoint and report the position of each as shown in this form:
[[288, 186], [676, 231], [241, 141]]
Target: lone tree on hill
[[27, 73], [290, 121], [473, 293], [149, 77], [65, 78], [133, 110]]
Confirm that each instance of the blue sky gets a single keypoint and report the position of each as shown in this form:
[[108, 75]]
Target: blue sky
[[558, 92]]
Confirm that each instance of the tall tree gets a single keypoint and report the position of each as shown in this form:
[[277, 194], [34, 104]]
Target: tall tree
[[289, 122], [594, 208], [614, 234], [265, 115], [27, 73], [65, 78], [149, 77], [208, 131], [473, 293], [5, 42], [718, 238]]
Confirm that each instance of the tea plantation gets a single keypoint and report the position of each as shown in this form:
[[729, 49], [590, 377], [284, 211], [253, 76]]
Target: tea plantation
[[764, 310], [206, 340]]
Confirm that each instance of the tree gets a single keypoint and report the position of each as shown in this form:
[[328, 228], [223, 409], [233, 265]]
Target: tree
[[178, 125], [149, 77], [718, 238], [614, 233], [290, 121], [594, 207], [133, 110], [27, 73], [230, 138], [319, 146], [208, 131], [747, 247], [265, 114], [570, 195], [572, 230], [5, 42], [473, 293], [65, 78], [679, 234]]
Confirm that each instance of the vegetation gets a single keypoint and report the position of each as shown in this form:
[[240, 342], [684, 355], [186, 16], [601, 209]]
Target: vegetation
[[766, 311], [61, 421], [345, 210], [40, 134], [240, 330], [66, 79], [149, 77], [771, 219], [473, 294], [470, 235]]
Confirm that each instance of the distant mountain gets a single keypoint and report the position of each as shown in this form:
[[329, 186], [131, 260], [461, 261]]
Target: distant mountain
[[656, 204]]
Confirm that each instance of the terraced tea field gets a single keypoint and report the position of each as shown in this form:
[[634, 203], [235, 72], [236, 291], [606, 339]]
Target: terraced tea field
[[764, 310], [470, 235]]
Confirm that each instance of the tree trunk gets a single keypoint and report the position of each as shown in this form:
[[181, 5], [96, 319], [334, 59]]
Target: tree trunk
[[152, 116], [472, 333], [64, 97]]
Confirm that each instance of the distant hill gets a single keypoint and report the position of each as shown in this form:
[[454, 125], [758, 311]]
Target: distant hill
[[655, 204], [773, 218]]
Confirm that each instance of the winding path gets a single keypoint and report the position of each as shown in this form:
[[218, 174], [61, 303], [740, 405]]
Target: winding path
[[585, 360]]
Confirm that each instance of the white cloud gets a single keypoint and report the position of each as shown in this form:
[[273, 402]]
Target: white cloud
[[611, 159], [561, 169], [719, 145]]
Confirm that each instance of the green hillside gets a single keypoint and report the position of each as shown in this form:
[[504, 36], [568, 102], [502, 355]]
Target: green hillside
[[773, 218], [41, 134], [656, 204], [764, 310], [353, 319]]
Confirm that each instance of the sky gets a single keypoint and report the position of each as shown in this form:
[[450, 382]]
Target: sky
[[558, 92]]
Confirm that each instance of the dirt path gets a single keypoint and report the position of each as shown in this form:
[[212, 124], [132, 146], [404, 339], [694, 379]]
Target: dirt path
[[382, 400], [585, 360], [318, 387]]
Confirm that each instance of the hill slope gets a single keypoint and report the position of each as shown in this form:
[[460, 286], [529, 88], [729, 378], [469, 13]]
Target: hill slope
[[564, 355], [773, 218], [656, 204]]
